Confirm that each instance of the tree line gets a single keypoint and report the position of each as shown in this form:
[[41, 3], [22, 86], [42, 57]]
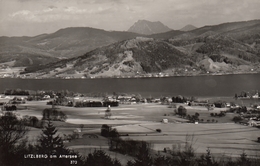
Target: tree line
[[53, 114], [16, 92], [96, 104]]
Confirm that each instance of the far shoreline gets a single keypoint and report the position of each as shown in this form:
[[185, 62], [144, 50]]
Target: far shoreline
[[135, 77]]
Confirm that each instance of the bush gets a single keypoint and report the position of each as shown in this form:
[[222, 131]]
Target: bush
[[128, 146], [105, 129], [158, 130], [10, 108], [32, 121], [237, 119], [221, 114], [182, 111], [53, 114]]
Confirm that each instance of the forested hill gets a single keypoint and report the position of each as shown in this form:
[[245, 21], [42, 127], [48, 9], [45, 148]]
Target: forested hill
[[208, 52], [65, 43]]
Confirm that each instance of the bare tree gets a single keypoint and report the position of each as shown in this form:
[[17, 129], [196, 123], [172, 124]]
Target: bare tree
[[81, 127], [12, 131], [108, 112]]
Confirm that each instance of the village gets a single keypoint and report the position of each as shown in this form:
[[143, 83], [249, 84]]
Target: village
[[164, 122], [247, 112]]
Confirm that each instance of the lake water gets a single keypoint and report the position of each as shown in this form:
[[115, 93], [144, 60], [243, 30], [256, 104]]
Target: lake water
[[225, 85]]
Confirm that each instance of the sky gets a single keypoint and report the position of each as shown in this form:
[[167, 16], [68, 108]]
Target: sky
[[35, 17]]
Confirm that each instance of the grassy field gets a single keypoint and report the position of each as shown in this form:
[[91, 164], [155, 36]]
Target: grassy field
[[222, 138], [140, 122]]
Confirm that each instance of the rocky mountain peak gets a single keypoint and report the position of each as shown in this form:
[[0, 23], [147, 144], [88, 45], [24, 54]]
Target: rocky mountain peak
[[147, 27]]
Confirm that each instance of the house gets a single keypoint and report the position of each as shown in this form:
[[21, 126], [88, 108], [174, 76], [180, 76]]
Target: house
[[244, 122], [166, 100], [45, 97], [133, 100], [165, 121], [255, 96], [156, 100], [254, 122], [219, 104], [143, 100], [228, 105], [124, 99], [77, 130]]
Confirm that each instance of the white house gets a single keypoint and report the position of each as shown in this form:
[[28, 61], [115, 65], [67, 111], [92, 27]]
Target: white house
[[165, 121], [255, 96], [46, 97], [254, 123], [77, 130]]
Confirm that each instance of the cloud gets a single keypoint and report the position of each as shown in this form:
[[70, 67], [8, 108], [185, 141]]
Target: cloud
[[24, 15], [103, 1], [121, 14], [51, 13], [50, 9], [56, 13], [75, 10], [22, 12]]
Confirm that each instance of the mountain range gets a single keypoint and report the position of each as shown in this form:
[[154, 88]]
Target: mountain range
[[88, 52]]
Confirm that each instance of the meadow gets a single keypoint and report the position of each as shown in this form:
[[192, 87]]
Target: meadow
[[140, 121]]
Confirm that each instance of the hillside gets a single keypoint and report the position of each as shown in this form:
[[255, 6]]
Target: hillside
[[65, 43], [145, 27], [21, 53], [224, 29], [207, 53], [140, 55], [188, 28]]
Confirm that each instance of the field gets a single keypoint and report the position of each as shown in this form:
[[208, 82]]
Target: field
[[226, 139], [140, 121]]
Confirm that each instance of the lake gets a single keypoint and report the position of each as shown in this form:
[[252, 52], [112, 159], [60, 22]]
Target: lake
[[223, 85]]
